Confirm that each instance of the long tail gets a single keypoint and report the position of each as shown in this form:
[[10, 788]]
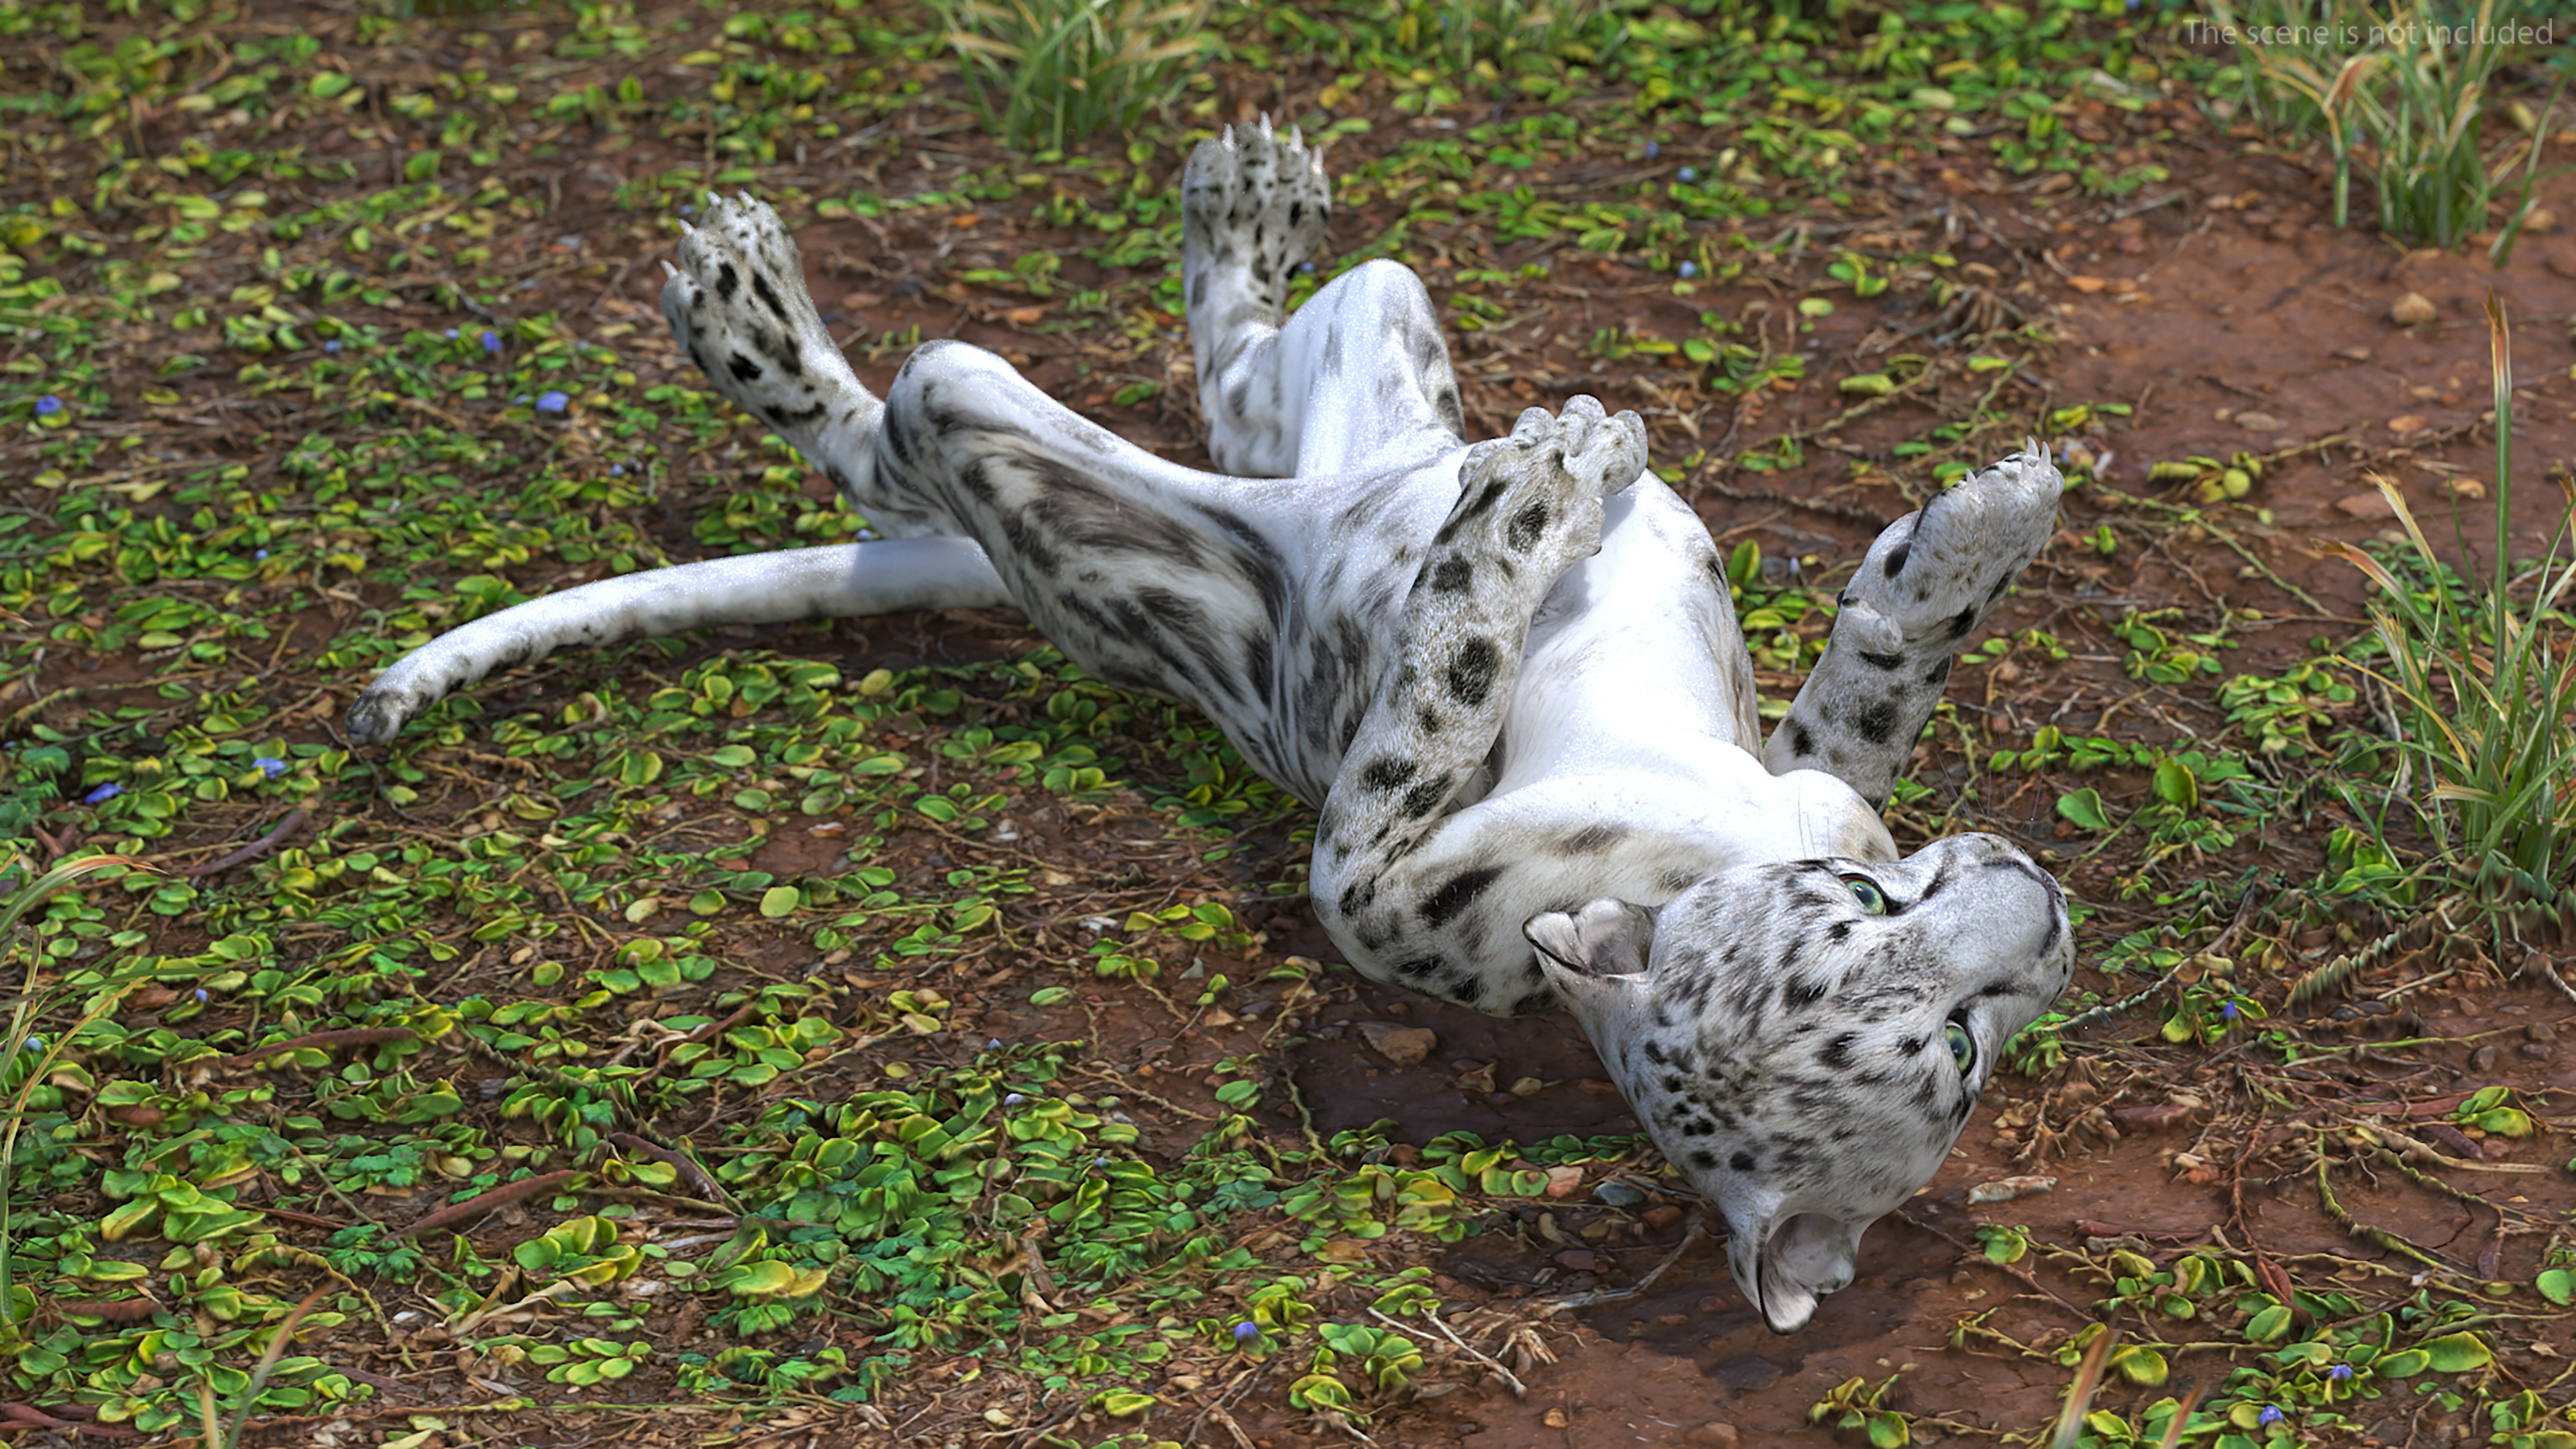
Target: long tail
[[851, 580]]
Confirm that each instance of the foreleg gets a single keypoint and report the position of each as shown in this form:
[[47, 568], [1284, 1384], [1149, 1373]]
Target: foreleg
[[1926, 583], [1528, 508]]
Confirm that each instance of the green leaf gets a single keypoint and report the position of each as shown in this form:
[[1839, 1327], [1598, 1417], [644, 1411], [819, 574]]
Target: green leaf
[[780, 901], [1869, 384], [2457, 1353], [1888, 1431], [2176, 785], [2141, 1365], [1815, 307], [2084, 808], [2558, 1285], [2405, 1365], [330, 83], [1051, 996]]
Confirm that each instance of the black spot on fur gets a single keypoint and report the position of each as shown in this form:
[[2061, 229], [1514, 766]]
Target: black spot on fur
[[1471, 674], [1452, 575], [1966, 620], [1591, 840], [1526, 527], [1801, 743], [1802, 992], [728, 281], [1424, 798], [1703, 1160], [1838, 1052], [1877, 722], [1882, 661], [768, 296], [1473, 509], [1742, 1162], [1387, 771], [1455, 895], [1940, 674], [1896, 558], [743, 367]]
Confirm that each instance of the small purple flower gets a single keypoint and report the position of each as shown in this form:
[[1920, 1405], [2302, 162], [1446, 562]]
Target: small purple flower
[[33, 1044], [552, 400], [992, 1043], [1653, 150], [616, 470], [331, 346], [1246, 1331], [2341, 1373], [202, 996], [492, 343], [259, 555], [1012, 1099], [1687, 173], [48, 405], [687, 210], [2270, 1416], [523, 397], [103, 794], [270, 766], [452, 334], [2231, 1011], [1688, 269]]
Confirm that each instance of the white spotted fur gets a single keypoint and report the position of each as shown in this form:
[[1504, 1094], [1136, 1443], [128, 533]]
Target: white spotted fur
[[1508, 674]]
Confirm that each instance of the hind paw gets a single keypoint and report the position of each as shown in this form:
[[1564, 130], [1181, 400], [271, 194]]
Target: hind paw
[[1253, 203], [738, 306]]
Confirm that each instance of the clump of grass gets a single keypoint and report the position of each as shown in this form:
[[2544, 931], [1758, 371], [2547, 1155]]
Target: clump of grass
[[2405, 95], [1048, 73], [2484, 687], [21, 892]]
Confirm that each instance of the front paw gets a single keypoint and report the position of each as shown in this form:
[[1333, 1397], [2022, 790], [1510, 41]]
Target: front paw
[[737, 304]]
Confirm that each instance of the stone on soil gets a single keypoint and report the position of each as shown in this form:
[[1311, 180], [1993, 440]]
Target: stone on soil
[[1405, 1046], [2412, 310]]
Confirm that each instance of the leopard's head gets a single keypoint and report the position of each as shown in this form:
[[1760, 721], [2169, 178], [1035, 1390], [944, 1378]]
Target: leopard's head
[[1804, 1039]]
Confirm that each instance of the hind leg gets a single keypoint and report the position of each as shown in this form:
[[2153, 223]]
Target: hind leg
[[737, 304], [1359, 377], [1148, 575], [1927, 581]]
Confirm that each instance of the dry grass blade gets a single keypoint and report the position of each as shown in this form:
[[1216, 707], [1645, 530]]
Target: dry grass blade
[[2079, 1394]]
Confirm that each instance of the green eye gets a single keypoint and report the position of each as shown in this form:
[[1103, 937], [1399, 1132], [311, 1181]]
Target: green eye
[[1963, 1047], [1867, 894]]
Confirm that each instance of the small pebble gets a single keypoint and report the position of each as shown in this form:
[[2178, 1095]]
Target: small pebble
[[2484, 1059], [1713, 1436], [2006, 1189], [2412, 310], [2353, 354], [2540, 1031]]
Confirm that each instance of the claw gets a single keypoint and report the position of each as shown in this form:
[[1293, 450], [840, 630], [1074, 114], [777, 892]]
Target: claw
[[745, 198], [714, 201], [669, 271], [687, 230]]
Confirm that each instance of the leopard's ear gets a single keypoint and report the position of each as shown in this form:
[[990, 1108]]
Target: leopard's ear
[[1605, 938]]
